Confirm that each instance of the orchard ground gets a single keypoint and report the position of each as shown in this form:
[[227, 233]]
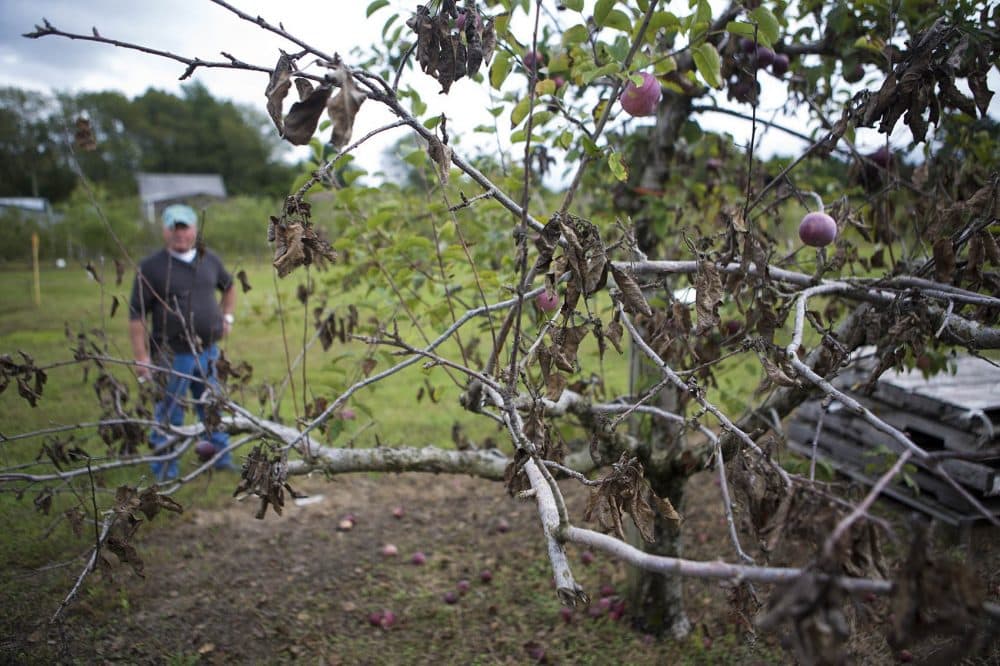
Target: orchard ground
[[222, 587]]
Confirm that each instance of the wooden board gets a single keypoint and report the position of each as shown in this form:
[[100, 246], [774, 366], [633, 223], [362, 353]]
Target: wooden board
[[968, 400], [861, 441], [905, 496]]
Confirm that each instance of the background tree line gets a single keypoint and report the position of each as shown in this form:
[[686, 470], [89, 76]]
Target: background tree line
[[156, 131]]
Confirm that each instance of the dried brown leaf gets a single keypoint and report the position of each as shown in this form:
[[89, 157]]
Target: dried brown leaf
[[440, 154], [632, 299], [344, 106], [277, 89], [944, 260], [708, 286], [303, 117]]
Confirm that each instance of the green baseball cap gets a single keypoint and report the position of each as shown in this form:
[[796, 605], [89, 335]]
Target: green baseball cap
[[179, 214]]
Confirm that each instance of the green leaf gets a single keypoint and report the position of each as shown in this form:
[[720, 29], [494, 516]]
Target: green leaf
[[742, 29], [618, 20], [610, 68], [575, 35], [500, 69], [388, 24], [432, 122], [663, 20], [601, 11], [520, 112], [589, 146], [767, 24], [375, 6], [575, 5], [545, 87], [618, 168], [709, 65], [704, 12]]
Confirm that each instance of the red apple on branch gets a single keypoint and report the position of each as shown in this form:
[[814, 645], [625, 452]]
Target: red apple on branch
[[547, 301], [641, 100], [817, 229]]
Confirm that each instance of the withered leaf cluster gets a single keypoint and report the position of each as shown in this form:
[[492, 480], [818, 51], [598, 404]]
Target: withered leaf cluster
[[29, 378], [332, 327], [129, 503], [266, 477], [239, 373], [923, 82], [296, 242], [446, 52], [299, 125], [62, 452], [547, 442], [113, 397], [625, 489]]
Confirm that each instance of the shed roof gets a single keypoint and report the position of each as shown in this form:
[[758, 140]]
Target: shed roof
[[154, 187], [38, 204]]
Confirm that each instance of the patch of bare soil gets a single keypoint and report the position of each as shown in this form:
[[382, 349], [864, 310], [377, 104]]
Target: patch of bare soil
[[222, 587]]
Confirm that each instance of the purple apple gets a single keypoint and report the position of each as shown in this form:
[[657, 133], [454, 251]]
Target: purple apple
[[854, 74], [450, 597], [398, 512], [547, 301], [765, 57], [747, 45], [641, 100], [375, 618], [559, 81], [533, 60], [566, 614], [780, 65], [607, 590], [881, 157], [486, 575], [389, 550], [503, 526], [817, 229], [586, 557], [418, 558], [388, 619], [204, 449], [463, 586]]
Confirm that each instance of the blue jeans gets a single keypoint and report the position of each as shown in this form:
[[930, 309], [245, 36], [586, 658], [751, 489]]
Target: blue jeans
[[170, 410]]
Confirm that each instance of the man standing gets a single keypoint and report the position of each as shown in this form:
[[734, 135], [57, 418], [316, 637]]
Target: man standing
[[175, 290]]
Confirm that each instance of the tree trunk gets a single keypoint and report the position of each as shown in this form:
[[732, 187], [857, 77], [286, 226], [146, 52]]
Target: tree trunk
[[655, 601]]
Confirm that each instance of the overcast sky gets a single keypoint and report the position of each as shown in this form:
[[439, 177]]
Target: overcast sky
[[200, 28]]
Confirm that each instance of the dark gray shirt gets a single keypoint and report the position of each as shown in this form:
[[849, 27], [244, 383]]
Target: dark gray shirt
[[180, 298]]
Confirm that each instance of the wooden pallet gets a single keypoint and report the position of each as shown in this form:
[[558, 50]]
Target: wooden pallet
[[959, 412]]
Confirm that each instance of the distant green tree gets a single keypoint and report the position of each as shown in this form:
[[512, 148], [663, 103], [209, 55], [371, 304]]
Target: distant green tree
[[31, 162]]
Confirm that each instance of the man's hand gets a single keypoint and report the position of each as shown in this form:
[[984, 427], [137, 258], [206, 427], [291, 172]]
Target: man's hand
[[142, 373]]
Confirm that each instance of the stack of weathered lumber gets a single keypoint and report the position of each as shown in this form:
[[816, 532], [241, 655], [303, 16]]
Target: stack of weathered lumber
[[949, 413]]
